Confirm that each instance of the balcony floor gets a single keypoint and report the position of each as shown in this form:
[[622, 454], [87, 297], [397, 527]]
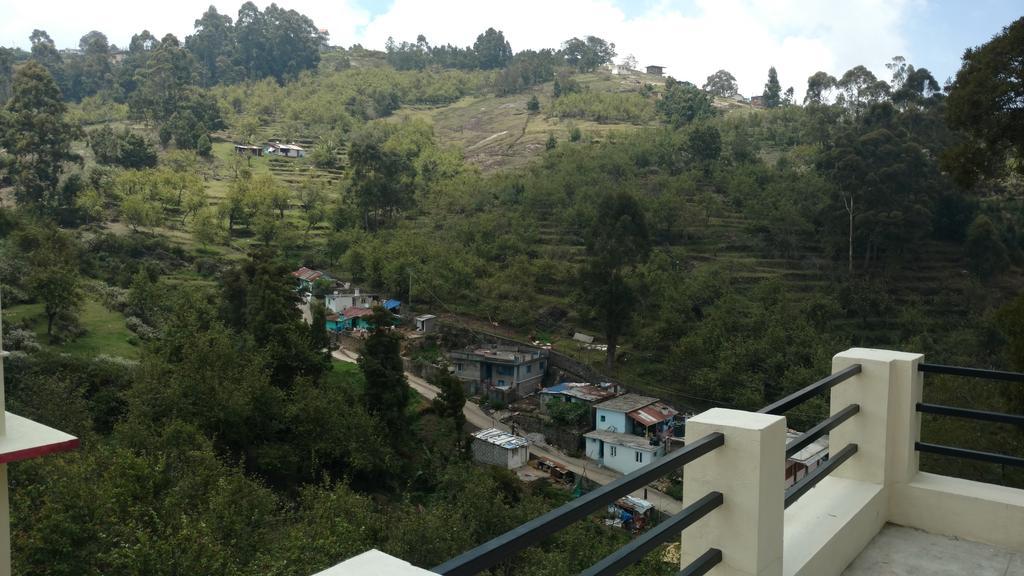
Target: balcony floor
[[899, 551]]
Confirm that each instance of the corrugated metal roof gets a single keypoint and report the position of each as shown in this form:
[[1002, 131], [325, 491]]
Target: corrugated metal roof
[[652, 414], [501, 438], [307, 274], [627, 403], [391, 304]]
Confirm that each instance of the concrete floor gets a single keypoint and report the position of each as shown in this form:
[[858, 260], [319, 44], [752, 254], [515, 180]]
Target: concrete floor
[[899, 551]]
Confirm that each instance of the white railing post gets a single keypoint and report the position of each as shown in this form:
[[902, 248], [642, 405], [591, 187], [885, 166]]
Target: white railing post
[[749, 471], [887, 389]]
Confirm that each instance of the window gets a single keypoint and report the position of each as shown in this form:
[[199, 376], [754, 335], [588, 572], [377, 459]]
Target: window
[[458, 366], [501, 382], [611, 450], [529, 368], [639, 456], [506, 370], [602, 417]]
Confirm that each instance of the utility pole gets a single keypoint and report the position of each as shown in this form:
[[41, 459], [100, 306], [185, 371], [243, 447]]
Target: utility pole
[[410, 289]]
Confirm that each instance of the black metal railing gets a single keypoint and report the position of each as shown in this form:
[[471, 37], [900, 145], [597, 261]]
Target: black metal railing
[[662, 533], [819, 387], [794, 492], [498, 549], [490, 553], [981, 415]]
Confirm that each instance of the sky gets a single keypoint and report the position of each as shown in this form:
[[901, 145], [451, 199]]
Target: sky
[[692, 38]]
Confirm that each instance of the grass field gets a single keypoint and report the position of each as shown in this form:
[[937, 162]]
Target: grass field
[[106, 332]]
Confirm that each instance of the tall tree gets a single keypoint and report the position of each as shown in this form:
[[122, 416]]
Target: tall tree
[[318, 325], [451, 401], [986, 102], [54, 278], [38, 138], [772, 90], [492, 50], [387, 392], [588, 54], [90, 73], [721, 83], [45, 52], [819, 88], [213, 45], [617, 241]]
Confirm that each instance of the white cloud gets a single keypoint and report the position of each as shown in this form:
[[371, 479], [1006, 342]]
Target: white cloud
[[693, 39]]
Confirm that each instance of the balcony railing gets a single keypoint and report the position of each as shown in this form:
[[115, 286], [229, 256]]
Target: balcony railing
[[742, 519], [981, 415], [490, 553]]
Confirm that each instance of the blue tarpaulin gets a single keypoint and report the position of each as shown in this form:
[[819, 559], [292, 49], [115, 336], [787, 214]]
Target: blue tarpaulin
[[392, 304]]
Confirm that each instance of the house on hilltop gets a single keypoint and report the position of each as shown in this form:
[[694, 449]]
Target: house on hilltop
[[656, 70], [337, 302], [502, 372]]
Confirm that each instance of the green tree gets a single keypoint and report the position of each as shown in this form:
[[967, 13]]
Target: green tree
[[54, 278], [588, 54], [705, 144], [213, 44], [617, 241], [387, 392], [44, 51], [451, 401], [721, 83], [492, 50], [683, 103], [986, 253], [985, 103], [318, 326], [819, 86], [772, 94], [38, 138], [533, 104]]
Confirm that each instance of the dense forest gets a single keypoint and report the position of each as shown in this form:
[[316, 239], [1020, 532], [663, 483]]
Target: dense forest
[[723, 252]]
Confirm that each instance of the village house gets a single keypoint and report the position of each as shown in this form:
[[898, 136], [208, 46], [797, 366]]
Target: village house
[[757, 101], [351, 318], [243, 150], [426, 323], [623, 453], [287, 150], [635, 414], [502, 372], [337, 302], [306, 278], [656, 70], [497, 448]]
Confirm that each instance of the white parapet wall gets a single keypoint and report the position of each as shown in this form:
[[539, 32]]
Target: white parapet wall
[[374, 563]]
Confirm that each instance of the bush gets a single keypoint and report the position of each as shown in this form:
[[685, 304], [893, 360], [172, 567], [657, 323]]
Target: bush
[[569, 413], [533, 105]]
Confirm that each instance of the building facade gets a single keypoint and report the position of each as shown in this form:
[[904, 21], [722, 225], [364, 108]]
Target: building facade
[[501, 372], [623, 453]]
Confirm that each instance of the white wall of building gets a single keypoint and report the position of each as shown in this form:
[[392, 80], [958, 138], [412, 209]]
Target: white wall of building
[[620, 458], [611, 420]]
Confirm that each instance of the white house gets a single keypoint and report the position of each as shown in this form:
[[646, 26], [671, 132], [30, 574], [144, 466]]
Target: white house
[[289, 150], [622, 452], [339, 301], [806, 460], [492, 446]]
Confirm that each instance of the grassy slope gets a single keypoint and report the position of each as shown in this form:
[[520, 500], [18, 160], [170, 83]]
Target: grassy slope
[[105, 330]]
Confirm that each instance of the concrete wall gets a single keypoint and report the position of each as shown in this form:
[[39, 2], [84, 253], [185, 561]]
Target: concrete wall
[[621, 458], [487, 453], [614, 421]]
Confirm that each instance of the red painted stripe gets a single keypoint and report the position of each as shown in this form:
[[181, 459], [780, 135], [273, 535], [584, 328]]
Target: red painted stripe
[[37, 451]]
